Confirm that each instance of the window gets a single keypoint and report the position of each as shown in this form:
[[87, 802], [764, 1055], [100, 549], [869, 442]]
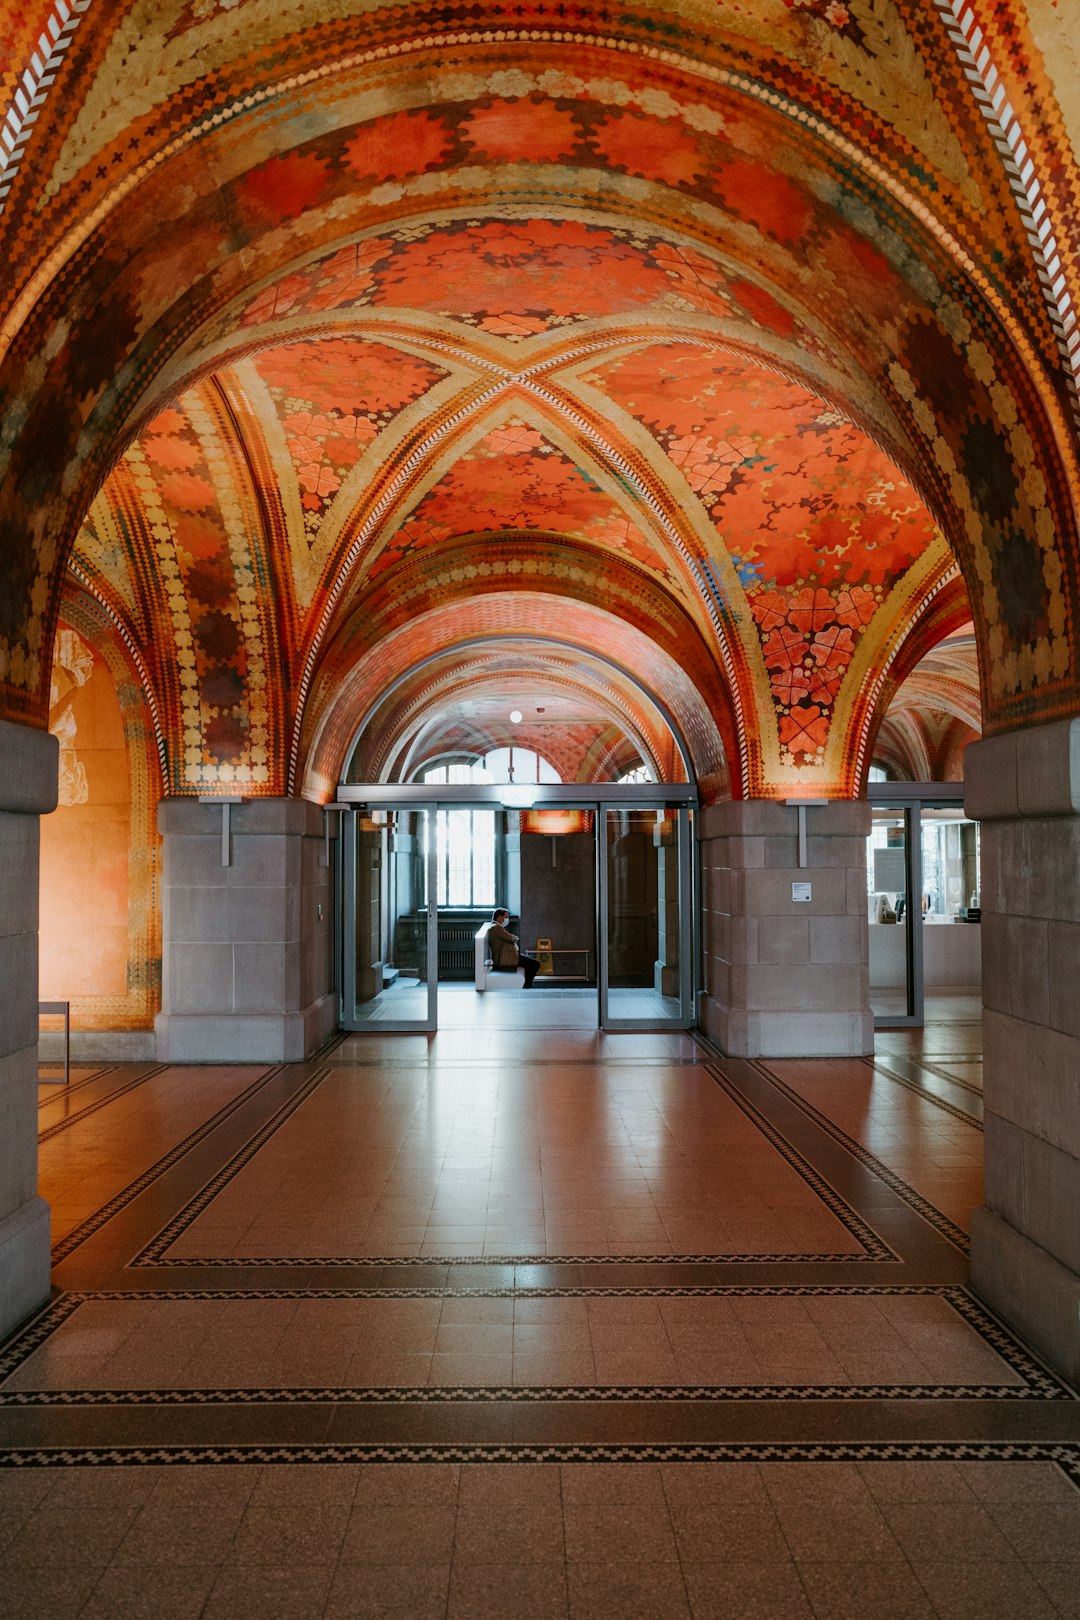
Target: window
[[640, 773], [464, 841], [464, 837]]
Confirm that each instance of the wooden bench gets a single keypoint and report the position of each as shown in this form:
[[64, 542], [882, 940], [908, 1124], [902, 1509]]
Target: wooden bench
[[487, 977]]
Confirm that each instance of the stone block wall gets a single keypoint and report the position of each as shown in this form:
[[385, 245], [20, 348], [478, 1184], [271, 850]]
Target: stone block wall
[[28, 778], [247, 948], [785, 977], [1024, 788]]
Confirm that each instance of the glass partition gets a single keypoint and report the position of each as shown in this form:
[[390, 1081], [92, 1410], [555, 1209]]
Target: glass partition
[[923, 897], [645, 936], [893, 981], [389, 977]]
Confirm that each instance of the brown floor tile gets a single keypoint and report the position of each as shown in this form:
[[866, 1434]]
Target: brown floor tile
[[153, 1592], [428, 1485], [984, 1590], [58, 1596], [604, 1484], [853, 1591], [510, 1485], [745, 1589], [621, 1591], [396, 1534], [838, 1532], [934, 1531], [724, 1531], [1060, 1580], [527, 1592], [489, 1533], [620, 1531], [297, 1591], [390, 1592], [291, 1535]]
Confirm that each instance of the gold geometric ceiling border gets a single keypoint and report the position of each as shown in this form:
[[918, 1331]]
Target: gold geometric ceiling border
[[32, 88], [973, 53]]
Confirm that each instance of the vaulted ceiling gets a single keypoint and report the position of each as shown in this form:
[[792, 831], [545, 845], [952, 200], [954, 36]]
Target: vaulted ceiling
[[683, 360]]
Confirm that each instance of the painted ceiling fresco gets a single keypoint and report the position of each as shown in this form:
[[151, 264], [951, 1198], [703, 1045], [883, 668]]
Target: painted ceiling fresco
[[933, 715], [588, 720], [730, 325]]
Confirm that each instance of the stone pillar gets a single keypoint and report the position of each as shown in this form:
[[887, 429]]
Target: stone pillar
[[28, 774], [247, 948], [785, 977], [1024, 789]]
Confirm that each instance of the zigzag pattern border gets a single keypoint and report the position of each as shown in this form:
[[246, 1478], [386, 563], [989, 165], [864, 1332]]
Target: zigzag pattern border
[[1041, 1382], [973, 54], [1065, 1454], [922, 1206], [32, 91]]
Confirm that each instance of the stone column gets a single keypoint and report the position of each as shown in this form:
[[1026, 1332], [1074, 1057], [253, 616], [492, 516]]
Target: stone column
[[28, 773], [785, 977], [247, 948], [1024, 789]]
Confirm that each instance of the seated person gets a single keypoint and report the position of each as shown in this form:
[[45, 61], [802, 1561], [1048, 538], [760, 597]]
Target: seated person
[[503, 949]]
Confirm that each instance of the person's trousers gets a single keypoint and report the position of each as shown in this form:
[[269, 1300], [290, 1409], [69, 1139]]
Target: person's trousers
[[531, 966]]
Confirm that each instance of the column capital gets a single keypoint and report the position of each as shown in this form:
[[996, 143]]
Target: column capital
[[29, 769], [1031, 772]]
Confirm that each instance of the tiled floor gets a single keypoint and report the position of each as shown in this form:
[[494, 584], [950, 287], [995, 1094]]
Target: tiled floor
[[527, 1321]]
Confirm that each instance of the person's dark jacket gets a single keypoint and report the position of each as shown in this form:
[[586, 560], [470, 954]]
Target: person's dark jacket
[[502, 946]]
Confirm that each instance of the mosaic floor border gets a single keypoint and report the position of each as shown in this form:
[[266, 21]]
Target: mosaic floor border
[[1039, 1382], [879, 1066], [60, 1090], [103, 1102], [1065, 1454], [155, 1253], [915, 1200]]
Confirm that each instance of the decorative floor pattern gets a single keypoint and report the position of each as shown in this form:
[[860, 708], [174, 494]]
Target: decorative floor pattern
[[425, 1431]]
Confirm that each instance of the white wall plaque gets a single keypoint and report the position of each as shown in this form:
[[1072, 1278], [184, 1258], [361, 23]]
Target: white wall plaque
[[800, 891]]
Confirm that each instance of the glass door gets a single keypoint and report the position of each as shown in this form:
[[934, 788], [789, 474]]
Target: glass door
[[894, 876], [646, 957], [389, 928]]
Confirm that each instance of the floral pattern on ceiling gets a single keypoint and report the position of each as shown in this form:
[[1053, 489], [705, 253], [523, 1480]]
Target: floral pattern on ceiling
[[334, 396], [514, 279], [514, 479], [818, 523]]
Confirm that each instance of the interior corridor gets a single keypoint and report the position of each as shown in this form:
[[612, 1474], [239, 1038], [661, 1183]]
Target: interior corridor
[[530, 1322]]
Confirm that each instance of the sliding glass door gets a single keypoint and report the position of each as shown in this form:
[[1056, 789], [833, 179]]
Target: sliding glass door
[[390, 944], [646, 956]]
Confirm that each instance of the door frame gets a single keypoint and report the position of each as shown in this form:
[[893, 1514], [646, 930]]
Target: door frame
[[687, 956], [347, 1017], [681, 797], [911, 798]]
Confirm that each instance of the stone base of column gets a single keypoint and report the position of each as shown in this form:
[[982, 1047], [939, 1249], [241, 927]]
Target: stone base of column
[[100, 1046], [778, 1034], [24, 1263], [247, 933], [1034, 1292], [785, 976], [1024, 789], [28, 777], [245, 1037]]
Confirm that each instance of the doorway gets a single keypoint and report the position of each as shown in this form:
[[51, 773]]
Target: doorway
[[599, 889], [925, 947]]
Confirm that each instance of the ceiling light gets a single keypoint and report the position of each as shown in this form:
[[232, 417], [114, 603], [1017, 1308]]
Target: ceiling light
[[515, 717]]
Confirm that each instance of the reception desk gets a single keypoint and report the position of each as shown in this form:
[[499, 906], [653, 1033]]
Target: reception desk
[[952, 955]]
